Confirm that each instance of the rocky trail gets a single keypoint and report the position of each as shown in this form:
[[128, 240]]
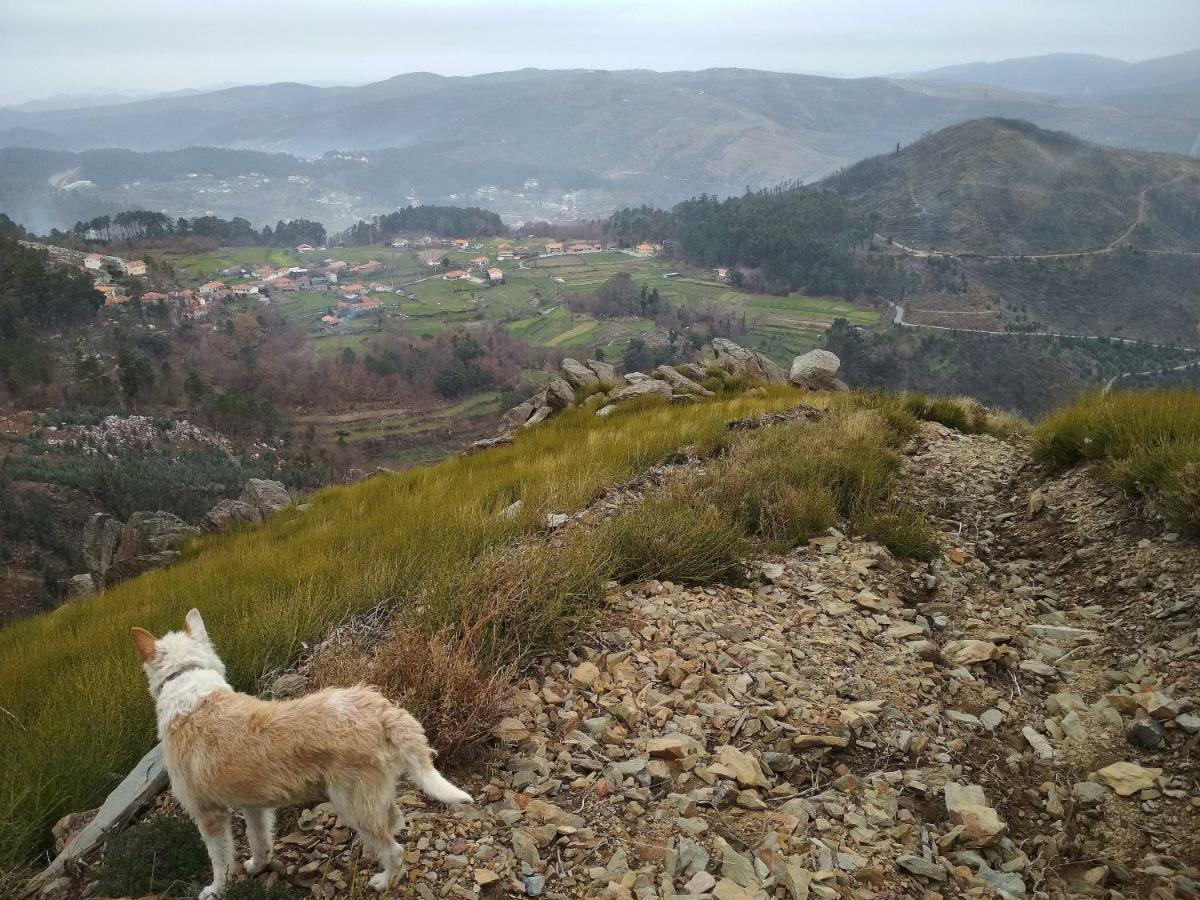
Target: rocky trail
[[1014, 720]]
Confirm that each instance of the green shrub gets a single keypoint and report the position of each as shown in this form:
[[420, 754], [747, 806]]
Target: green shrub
[[675, 537], [163, 856], [906, 534], [788, 483], [1146, 442]]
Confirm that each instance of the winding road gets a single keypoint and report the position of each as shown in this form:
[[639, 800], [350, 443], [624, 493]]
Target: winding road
[[898, 319]]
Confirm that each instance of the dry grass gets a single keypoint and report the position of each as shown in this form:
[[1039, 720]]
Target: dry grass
[[438, 679], [76, 713]]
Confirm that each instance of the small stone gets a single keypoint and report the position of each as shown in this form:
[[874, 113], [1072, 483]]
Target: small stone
[[700, 883], [486, 877], [919, 866], [1038, 742], [584, 674], [1127, 778], [1146, 733], [968, 807]]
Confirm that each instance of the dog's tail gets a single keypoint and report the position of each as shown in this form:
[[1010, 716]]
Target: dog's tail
[[407, 737]]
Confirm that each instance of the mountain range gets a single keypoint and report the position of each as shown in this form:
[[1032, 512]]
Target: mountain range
[[638, 136], [1074, 74]]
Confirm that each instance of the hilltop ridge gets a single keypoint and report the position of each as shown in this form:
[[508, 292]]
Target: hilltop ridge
[[1005, 187]]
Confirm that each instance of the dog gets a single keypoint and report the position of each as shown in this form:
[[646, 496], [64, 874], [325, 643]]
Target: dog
[[225, 751]]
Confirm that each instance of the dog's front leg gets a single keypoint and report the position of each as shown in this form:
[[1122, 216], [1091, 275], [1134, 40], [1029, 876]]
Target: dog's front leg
[[260, 825], [216, 829]]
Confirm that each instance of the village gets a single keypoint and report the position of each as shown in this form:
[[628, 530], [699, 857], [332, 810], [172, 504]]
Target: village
[[353, 290]]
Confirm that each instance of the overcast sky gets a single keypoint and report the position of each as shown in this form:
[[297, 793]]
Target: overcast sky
[[76, 46]]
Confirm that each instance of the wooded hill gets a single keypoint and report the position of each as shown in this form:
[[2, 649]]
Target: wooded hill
[[999, 186]]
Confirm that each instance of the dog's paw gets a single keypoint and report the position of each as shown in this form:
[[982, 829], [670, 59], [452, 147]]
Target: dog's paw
[[379, 882], [254, 866], [210, 893]]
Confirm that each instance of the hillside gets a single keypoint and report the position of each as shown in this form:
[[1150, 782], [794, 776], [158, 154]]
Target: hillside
[[633, 136], [1004, 187], [776, 708], [1073, 74]]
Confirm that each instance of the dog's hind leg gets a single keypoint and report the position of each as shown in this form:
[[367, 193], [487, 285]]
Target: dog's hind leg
[[216, 829], [369, 808], [260, 827]]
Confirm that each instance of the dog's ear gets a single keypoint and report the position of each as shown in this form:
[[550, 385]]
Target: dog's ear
[[194, 626], [145, 644]]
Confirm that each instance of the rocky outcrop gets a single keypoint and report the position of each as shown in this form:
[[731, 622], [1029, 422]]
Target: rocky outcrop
[[738, 360], [577, 374], [816, 370], [228, 513], [680, 383], [151, 539], [101, 535], [268, 497]]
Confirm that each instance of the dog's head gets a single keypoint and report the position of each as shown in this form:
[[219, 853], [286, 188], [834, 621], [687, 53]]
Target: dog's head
[[176, 652]]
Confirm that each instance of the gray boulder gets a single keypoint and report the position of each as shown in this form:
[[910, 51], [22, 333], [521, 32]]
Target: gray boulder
[[577, 374], [559, 394], [517, 416], [231, 512], [150, 533], [636, 377], [541, 414], [694, 371], [681, 384], [815, 370], [79, 586], [101, 535], [651, 387], [739, 360], [606, 373], [268, 497]]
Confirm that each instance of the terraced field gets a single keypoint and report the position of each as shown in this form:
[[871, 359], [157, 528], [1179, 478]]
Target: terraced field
[[532, 300]]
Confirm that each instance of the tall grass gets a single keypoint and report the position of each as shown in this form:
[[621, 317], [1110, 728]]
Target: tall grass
[[74, 711], [1142, 441]]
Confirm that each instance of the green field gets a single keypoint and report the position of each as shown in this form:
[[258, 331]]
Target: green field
[[778, 326]]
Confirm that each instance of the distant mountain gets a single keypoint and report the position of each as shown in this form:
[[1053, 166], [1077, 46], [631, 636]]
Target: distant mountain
[[649, 135], [998, 186], [1072, 74]]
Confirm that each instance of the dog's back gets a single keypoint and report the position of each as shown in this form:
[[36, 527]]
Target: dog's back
[[234, 750]]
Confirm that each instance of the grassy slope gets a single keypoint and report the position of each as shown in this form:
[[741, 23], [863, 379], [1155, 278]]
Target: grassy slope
[[77, 710], [1144, 442]]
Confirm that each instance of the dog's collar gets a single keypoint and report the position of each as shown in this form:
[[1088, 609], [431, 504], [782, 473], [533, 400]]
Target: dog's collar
[[162, 684]]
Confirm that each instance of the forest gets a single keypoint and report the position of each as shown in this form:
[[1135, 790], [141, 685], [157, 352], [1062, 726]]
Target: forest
[[778, 240], [440, 221]]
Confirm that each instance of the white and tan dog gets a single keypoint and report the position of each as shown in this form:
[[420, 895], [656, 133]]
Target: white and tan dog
[[226, 751]]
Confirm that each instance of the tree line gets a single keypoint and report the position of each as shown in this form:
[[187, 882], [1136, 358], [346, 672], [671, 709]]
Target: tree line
[[144, 224], [440, 221], [776, 240]]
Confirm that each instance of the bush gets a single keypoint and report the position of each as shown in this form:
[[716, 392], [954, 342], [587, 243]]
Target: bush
[[437, 679], [675, 537], [163, 856], [906, 534], [791, 482], [1143, 441]]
